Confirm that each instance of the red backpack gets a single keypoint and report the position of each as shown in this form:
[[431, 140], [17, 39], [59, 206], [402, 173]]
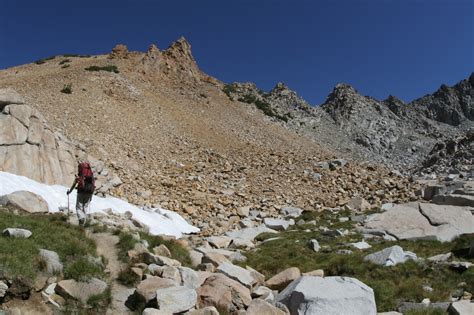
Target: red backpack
[[85, 179]]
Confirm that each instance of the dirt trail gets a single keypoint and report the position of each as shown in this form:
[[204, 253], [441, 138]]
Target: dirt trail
[[106, 247]]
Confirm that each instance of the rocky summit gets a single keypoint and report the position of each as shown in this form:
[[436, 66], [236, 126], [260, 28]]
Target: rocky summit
[[353, 206]]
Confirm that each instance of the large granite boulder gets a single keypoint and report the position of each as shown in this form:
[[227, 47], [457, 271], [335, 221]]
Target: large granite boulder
[[331, 296], [223, 293], [80, 291], [426, 221], [26, 201], [146, 291], [31, 148]]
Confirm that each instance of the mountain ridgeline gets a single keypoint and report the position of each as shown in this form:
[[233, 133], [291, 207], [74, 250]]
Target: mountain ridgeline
[[390, 131]]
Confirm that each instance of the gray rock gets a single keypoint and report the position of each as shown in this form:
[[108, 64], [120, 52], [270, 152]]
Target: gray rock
[[423, 221], [441, 258], [463, 307], [9, 96], [291, 212], [390, 256], [17, 233], [454, 200], [219, 241], [3, 288], [361, 245], [80, 291], [146, 291], [241, 243], [26, 201], [237, 273], [358, 204], [176, 299], [51, 258], [189, 278], [314, 245], [172, 273], [250, 233], [331, 295], [278, 224], [154, 311]]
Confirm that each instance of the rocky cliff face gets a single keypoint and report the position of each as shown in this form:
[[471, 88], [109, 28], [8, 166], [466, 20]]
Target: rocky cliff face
[[30, 147], [390, 131]]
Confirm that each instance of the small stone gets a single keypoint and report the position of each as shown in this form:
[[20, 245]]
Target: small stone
[[176, 299], [314, 245]]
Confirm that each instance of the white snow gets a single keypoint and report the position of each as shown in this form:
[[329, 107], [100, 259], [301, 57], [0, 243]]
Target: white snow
[[159, 221]]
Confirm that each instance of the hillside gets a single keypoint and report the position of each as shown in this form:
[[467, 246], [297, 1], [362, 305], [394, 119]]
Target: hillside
[[177, 137]]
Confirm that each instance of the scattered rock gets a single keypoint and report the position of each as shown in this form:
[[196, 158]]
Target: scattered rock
[[80, 291], [314, 245], [330, 295], [176, 299], [51, 258], [26, 201], [162, 250], [390, 256], [261, 307], [361, 245], [461, 308], [291, 212], [358, 204], [17, 233], [237, 273], [146, 291], [278, 224], [223, 293], [282, 279], [9, 96]]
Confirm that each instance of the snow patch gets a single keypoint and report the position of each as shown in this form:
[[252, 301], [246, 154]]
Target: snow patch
[[160, 221]]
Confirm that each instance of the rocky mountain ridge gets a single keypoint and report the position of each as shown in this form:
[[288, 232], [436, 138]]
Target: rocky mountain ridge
[[390, 131]]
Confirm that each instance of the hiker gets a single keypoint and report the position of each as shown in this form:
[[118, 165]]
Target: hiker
[[85, 183]]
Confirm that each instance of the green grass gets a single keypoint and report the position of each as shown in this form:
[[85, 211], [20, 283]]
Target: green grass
[[19, 257], [128, 277], [127, 242], [403, 282], [82, 269], [109, 68]]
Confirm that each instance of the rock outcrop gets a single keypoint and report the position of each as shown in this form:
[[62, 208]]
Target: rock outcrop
[[331, 295], [30, 148]]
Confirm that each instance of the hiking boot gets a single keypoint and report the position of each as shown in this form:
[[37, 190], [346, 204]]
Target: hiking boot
[[82, 221]]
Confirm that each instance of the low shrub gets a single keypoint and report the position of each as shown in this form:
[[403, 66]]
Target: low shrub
[[109, 68], [41, 61], [67, 88]]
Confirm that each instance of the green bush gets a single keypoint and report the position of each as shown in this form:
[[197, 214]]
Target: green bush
[[249, 99], [109, 68], [64, 61], [65, 66], [228, 89], [67, 88], [76, 55], [41, 61]]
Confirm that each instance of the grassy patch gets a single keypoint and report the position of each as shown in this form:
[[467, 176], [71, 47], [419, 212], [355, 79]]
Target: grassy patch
[[67, 88], [109, 68], [228, 90], [403, 282], [19, 257], [82, 269], [127, 242]]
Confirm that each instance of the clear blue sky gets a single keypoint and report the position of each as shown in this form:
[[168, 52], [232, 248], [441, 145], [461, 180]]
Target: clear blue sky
[[406, 48]]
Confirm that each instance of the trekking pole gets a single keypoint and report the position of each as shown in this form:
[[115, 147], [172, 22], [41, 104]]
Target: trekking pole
[[67, 204]]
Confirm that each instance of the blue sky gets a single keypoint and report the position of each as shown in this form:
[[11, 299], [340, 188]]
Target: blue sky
[[406, 48]]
